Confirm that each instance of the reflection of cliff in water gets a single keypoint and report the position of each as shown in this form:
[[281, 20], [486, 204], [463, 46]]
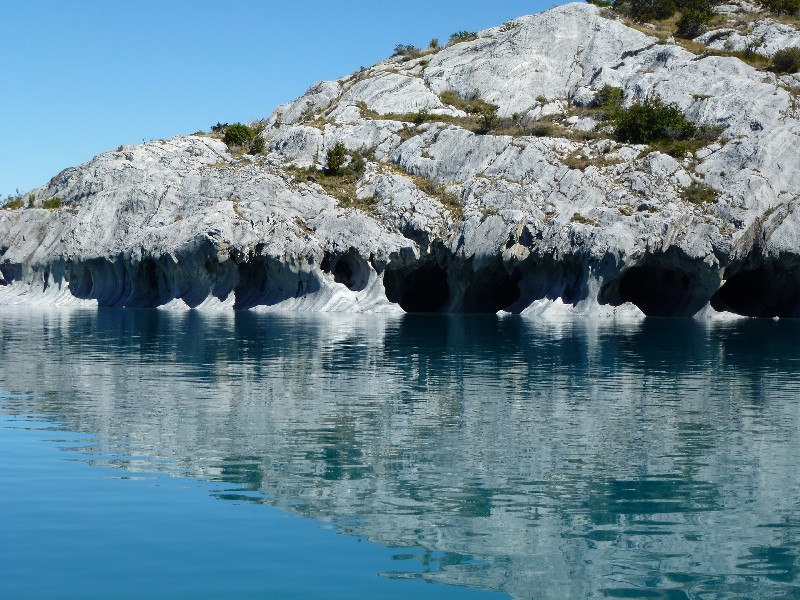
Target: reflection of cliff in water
[[551, 459]]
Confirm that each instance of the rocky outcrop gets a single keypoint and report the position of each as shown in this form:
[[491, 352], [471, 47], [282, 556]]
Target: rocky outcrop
[[443, 217]]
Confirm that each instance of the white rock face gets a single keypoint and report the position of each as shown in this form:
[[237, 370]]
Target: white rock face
[[445, 219], [764, 36]]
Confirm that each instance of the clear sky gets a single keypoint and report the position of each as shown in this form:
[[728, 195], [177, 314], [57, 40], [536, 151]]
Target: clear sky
[[84, 76]]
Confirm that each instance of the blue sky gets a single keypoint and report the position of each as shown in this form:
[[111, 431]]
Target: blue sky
[[84, 76]]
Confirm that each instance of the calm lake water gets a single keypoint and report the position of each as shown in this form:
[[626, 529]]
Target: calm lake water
[[148, 454]]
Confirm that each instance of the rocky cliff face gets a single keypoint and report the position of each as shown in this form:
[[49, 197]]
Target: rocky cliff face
[[541, 217]]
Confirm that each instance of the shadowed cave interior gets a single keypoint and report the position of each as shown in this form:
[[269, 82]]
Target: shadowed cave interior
[[348, 269], [660, 291], [658, 288], [765, 291], [417, 290]]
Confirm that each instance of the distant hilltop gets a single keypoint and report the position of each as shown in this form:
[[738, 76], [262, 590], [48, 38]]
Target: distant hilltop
[[586, 160]]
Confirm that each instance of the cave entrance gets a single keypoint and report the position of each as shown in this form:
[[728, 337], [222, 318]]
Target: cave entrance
[[764, 291], [658, 291], [349, 269], [419, 290], [252, 284], [149, 287], [492, 289]]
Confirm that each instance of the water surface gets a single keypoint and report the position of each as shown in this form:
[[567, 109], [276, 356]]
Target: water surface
[[242, 455]]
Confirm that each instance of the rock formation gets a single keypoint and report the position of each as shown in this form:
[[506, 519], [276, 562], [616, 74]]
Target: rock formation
[[545, 216]]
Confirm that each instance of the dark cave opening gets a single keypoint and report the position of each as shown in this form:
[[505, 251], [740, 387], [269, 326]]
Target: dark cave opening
[[765, 291], [252, 284], [492, 289], [658, 291], [81, 282], [146, 286], [343, 273], [349, 269], [420, 290]]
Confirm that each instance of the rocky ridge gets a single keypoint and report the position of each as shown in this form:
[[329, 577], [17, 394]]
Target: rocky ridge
[[444, 217]]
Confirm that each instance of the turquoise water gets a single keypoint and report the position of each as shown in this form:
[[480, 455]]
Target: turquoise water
[[148, 454]]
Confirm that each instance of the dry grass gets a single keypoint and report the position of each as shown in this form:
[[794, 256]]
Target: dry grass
[[303, 226], [581, 161], [579, 218]]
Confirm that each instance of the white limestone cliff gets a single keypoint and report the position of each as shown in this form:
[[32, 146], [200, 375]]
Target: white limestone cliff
[[445, 219]]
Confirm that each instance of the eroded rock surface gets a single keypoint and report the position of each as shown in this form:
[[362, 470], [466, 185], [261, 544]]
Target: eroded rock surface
[[444, 218]]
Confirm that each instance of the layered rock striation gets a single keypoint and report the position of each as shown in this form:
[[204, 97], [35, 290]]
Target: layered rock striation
[[545, 216]]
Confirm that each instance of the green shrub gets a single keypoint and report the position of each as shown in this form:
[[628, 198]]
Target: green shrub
[[786, 61], [693, 22], [258, 145], [487, 119], [238, 135], [13, 203], [611, 101], [406, 50], [646, 10], [463, 36], [782, 7], [434, 44], [335, 159], [652, 120], [245, 137], [52, 203], [699, 193]]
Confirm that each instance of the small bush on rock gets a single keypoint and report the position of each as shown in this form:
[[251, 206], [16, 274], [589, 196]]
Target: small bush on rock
[[694, 22], [653, 120], [463, 36], [406, 50], [246, 138], [611, 101], [646, 10], [786, 61], [699, 193], [238, 135], [52, 203], [782, 7], [335, 159], [13, 203]]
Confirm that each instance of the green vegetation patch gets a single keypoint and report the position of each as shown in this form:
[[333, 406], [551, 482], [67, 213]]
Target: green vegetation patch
[[786, 61], [699, 194], [664, 127], [781, 7], [53, 203], [340, 176], [13, 203], [463, 36], [242, 138]]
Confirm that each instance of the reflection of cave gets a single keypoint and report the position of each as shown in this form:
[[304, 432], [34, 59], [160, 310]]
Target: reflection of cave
[[421, 289], [660, 291], [348, 269], [492, 289], [765, 291]]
